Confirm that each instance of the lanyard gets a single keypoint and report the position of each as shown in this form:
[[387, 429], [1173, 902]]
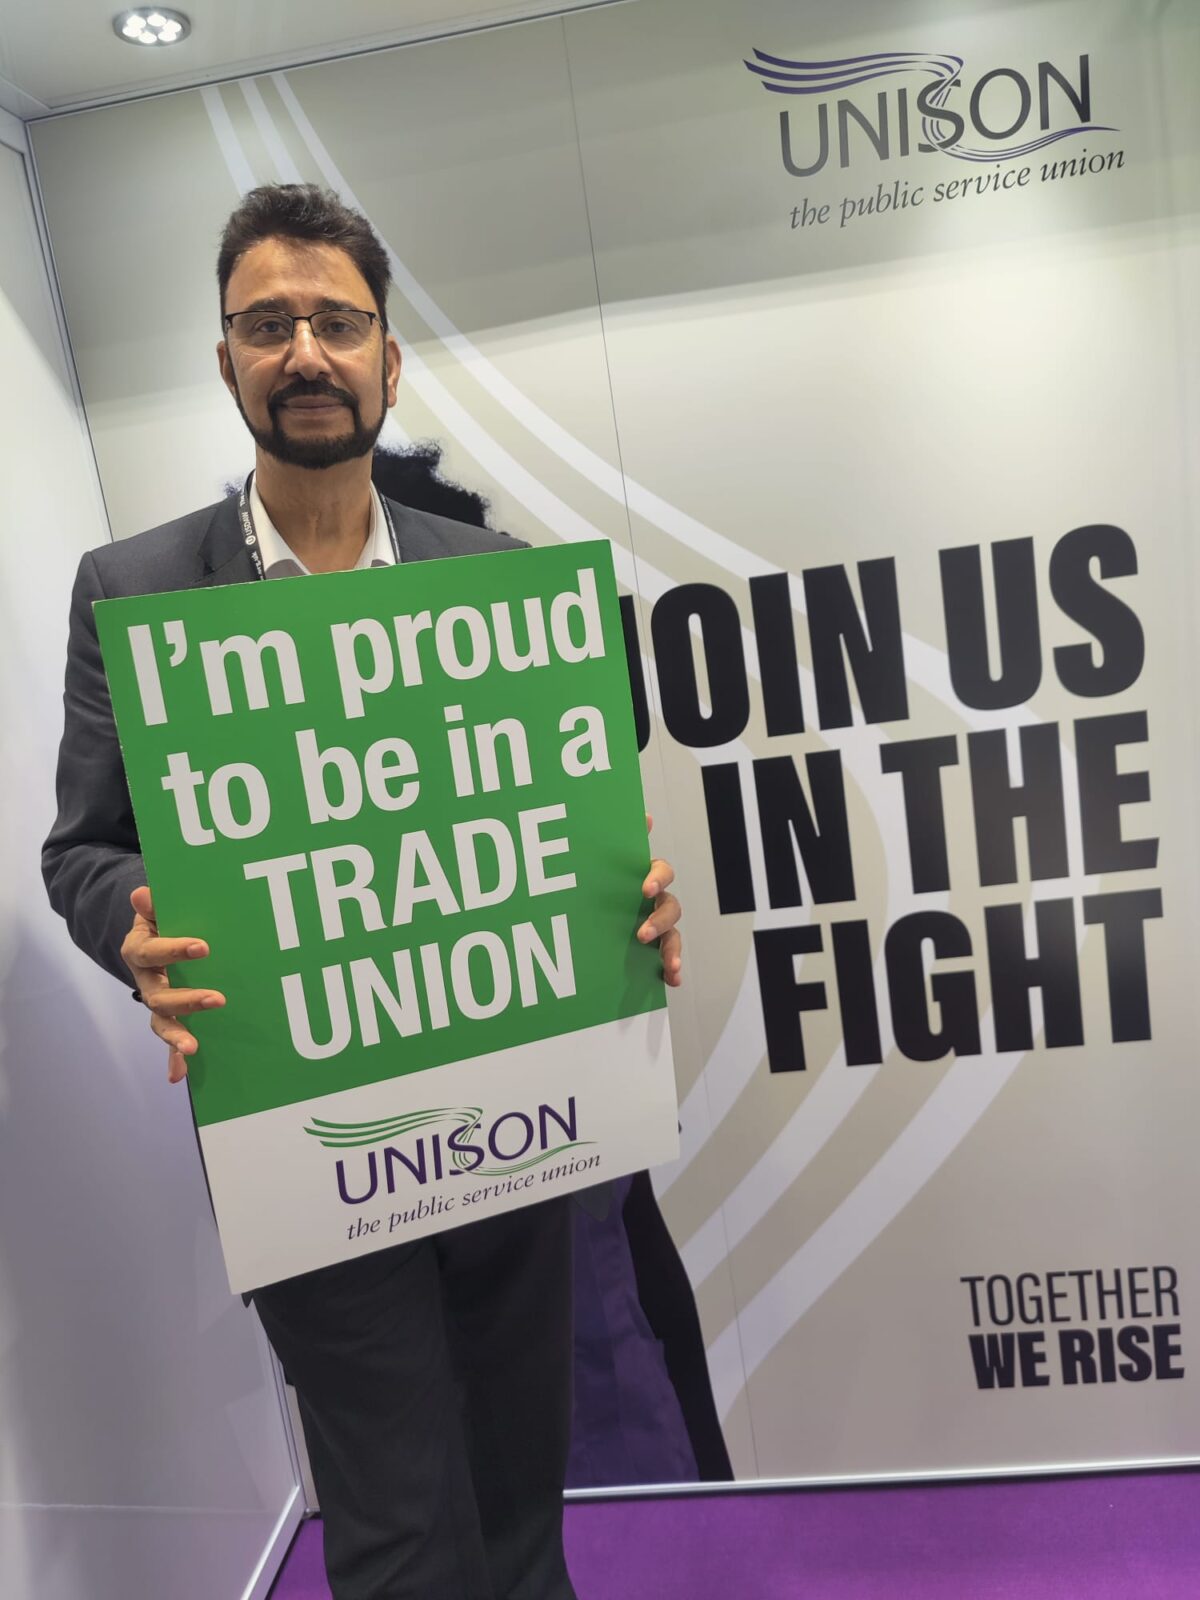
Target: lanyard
[[250, 537]]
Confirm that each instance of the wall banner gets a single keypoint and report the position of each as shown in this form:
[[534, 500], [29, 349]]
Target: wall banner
[[867, 336], [900, 319], [403, 808]]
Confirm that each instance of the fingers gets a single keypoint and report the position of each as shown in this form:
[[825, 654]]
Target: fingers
[[667, 912], [176, 1036], [145, 950], [649, 823], [148, 950], [146, 954], [180, 1044], [142, 903], [661, 923], [168, 1002], [166, 1006], [660, 876], [671, 950]]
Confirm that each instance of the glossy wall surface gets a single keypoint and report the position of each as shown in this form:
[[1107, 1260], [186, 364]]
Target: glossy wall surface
[[142, 1451]]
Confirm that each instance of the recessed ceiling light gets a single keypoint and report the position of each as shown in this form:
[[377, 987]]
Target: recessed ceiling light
[[151, 25]]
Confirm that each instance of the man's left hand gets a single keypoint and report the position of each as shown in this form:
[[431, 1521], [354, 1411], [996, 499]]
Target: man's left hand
[[662, 922]]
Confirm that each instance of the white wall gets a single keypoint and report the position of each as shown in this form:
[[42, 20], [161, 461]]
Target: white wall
[[142, 1451]]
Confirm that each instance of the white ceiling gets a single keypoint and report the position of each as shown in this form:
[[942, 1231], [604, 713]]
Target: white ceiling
[[57, 55]]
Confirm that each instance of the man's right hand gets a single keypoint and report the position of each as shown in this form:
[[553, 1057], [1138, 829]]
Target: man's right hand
[[148, 956]]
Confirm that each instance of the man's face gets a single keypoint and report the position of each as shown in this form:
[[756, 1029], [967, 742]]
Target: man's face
[[305, 405]]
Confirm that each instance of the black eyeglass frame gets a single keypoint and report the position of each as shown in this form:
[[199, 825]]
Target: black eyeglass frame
[[229, 318]]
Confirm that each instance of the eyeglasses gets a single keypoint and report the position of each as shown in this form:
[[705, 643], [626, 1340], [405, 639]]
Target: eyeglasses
[[273, 330]]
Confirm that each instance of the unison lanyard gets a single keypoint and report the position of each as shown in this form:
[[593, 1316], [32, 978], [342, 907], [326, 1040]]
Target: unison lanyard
[[251, 537]]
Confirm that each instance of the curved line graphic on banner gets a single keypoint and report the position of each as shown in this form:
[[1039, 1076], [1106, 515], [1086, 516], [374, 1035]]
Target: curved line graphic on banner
[[784, 83], [778, 75], [781, 76], [739, 1051], [961, 153], [911, 1160], [836, 1090], [287, 169], [840, 1241], [227, 140], [837, 68], [627, 492], [354, 1135]]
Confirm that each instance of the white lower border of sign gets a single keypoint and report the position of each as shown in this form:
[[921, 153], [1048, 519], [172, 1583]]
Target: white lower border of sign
[[394, 1161]]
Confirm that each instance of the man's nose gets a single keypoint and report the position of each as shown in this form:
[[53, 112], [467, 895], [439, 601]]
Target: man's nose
[[305, 354]]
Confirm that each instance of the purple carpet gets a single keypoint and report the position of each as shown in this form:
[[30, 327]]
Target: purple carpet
[[1132, 1536]]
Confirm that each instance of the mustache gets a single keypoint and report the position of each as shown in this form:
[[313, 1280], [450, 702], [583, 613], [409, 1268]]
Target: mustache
[[300, 390]]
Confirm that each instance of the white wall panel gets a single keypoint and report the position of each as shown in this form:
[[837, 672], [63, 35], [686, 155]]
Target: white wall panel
[[142, 1450]]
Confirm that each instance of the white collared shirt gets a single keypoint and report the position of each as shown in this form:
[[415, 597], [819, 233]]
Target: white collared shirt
[[279, 561]]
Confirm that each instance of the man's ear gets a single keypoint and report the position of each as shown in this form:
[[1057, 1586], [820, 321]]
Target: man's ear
[[393, 361]]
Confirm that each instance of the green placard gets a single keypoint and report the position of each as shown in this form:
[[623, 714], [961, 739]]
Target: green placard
[[402, 805]]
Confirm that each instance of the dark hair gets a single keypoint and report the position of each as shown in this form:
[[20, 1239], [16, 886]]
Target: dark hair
[[304, 211], [413, 477]]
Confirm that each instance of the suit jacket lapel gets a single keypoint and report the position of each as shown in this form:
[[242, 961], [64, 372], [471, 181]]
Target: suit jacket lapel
[[224, 557], [415, 541], [402, 519]]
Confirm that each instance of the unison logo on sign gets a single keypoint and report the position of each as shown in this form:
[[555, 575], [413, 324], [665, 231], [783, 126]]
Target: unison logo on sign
[[416, 1148], [1013, 113]]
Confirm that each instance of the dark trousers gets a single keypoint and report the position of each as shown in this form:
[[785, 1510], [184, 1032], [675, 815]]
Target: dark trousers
[[434, 1382]]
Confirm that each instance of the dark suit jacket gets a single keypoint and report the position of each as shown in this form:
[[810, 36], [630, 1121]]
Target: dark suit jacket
[[91, 861]]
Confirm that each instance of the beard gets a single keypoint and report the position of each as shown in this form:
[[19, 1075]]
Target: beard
[[315, 454]]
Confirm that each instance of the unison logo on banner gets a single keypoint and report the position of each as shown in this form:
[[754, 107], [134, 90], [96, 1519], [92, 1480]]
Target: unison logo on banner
[[994, 122], [514, 1140], [999, 108], [527, 1151]]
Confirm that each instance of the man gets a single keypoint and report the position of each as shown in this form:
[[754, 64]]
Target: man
[[433, 1378]]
